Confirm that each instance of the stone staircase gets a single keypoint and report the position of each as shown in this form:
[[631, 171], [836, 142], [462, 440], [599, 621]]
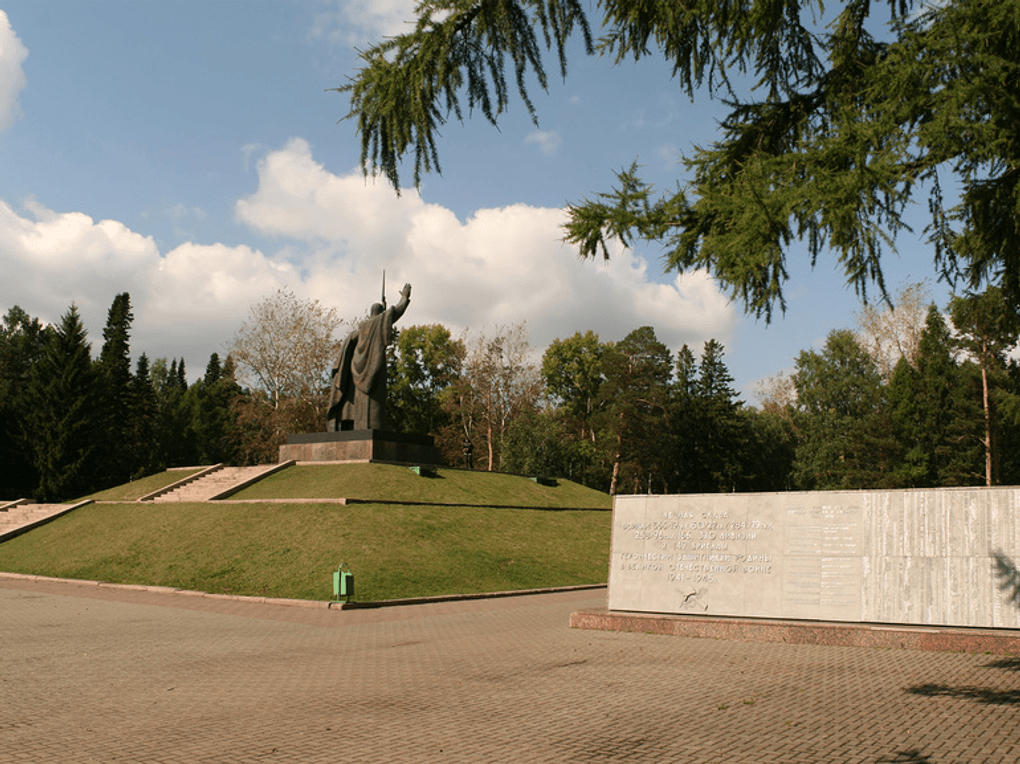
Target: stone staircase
[[219, 483], [18, 517]]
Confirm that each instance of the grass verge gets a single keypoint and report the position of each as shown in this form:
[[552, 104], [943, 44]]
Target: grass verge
[[138, 488], [290, 550], [386, 482]]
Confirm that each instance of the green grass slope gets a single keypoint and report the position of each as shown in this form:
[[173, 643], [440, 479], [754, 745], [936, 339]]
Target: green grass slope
[[146, 485], [290, 550], [386, 482]]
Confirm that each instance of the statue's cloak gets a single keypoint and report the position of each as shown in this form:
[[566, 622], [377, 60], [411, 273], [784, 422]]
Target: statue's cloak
[[358, 396]]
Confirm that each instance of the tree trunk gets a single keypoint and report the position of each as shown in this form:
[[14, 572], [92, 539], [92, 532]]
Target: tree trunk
[[617, 458], [989, 440], [488, 438]]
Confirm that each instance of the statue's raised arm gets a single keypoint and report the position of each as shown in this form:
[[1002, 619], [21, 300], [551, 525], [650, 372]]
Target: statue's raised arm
[[405, 299]]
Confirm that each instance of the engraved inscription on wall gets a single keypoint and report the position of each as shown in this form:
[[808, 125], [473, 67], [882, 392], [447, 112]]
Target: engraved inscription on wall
[[695, 557], [822, 551]]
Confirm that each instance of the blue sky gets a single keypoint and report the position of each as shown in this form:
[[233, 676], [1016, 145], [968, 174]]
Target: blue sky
[[190, 154]]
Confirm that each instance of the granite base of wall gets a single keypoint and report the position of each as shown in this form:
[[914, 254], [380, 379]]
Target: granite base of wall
[[935, 639], [360, 446]]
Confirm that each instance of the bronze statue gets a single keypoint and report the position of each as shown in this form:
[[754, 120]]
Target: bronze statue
[[357, 398]]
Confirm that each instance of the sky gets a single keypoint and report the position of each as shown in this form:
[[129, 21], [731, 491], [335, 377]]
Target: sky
[[193, 155]]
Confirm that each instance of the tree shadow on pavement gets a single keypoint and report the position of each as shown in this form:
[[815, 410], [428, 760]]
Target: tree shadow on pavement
[[1008, 573], [982, 694], [1013, 664], [906, 757]]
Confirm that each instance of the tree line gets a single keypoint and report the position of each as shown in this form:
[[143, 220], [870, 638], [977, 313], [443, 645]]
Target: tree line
[[71, 424], [914, 397]]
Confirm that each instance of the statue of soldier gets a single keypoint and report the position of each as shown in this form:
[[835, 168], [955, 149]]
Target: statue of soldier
[[357, 398]]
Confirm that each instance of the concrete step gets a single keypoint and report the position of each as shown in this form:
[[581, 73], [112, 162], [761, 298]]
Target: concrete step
[[216, 483], [16, 518]]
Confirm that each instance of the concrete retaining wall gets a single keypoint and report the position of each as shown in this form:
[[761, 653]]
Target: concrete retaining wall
[[938, 557]]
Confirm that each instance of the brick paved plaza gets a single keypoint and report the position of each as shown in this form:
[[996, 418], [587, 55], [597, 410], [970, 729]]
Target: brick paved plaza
[[92, 674]]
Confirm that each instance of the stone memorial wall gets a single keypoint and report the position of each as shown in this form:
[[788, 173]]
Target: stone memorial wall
[[912, 556]]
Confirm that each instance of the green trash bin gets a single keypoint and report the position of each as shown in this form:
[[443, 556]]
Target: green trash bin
[[343, 582]]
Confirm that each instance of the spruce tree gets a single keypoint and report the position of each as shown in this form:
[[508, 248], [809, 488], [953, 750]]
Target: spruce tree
[[683, 473], [114, 367], [144, 418], [210, 405], [936, 426], [721, 435], [64, 422], [176, 435], [21, 343]]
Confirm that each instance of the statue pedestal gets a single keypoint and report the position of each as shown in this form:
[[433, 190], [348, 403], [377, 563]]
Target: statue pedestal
[[360, 446]]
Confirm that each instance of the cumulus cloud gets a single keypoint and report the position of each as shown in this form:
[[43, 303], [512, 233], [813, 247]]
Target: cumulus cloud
[[188, 302], [356, 21], [12, 77], [499, 266], [334, 236]]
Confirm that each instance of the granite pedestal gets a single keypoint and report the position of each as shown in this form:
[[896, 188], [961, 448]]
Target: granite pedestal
[[360, 446]]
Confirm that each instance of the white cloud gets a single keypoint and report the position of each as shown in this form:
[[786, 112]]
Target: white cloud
[[356, 21], [548, 141], [500, 266], [12, 77], [337, 233], [189, 302]]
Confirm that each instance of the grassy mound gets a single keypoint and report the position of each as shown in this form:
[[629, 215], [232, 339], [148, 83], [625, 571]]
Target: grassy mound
[[290, 550], [385, 482]]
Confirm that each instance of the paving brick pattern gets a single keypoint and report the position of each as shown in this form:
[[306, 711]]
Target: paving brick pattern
[[90, 674]]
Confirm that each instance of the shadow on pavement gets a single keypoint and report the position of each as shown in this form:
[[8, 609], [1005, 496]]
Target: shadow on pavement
[[981, 694], [906, 757], [1012, 664]]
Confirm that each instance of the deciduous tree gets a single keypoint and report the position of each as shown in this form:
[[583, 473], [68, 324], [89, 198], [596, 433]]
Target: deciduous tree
[[425, 361], [634, 401], [842, 420], [572, 371], [498, 384], [888, 333], [287, 348]]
